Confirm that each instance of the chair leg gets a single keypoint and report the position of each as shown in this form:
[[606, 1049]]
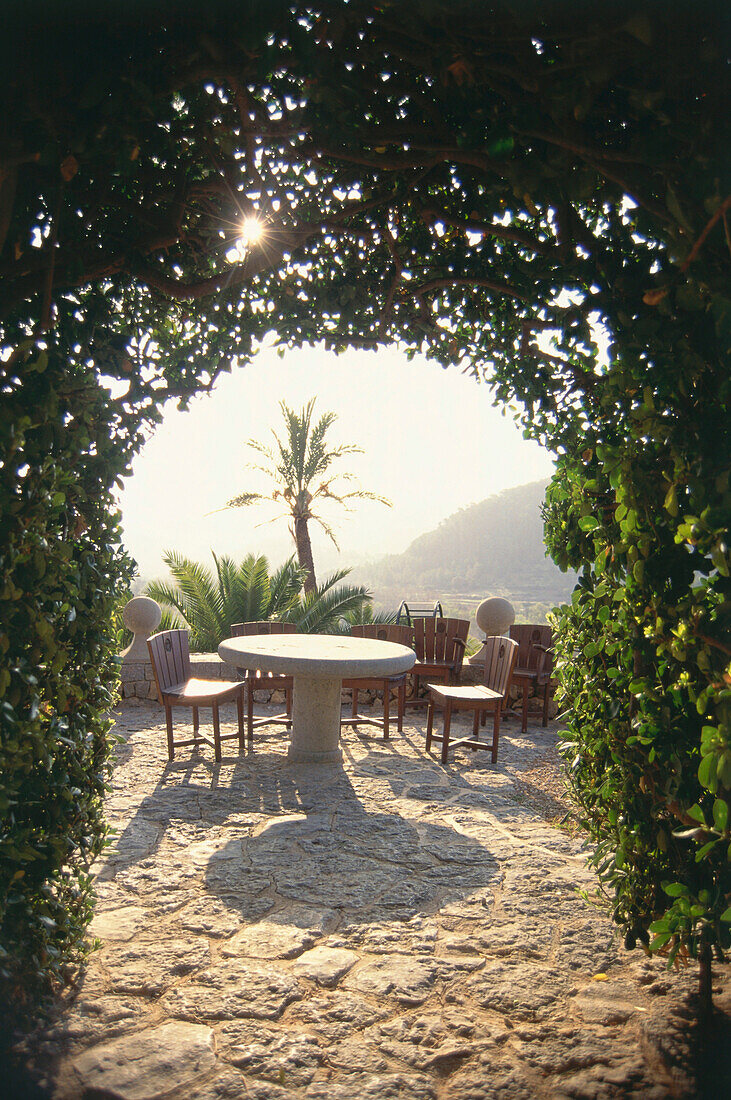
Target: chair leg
[[429, 723], [476, 724], [249, 709], [386, 702], [169, 724], [196, 723], [288, 706], [240, 713], [524, 723], [495, 733], [401, 705], [447, 727], [216, 734], [545, 705], [354, 696]]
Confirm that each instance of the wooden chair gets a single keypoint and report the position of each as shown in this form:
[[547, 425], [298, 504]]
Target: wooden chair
[[500, 654], [440, 646], [257, 680], [384, 632], [170, 659], [534, 664]]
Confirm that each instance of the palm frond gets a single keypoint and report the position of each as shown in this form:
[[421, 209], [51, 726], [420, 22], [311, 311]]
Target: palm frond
[[285, 587], [226, 571], [364, 494], [250, 593], [332, 579], [199, 600], [327, 529], [244, 499], [170, 620], [167, 595], [323, 609]]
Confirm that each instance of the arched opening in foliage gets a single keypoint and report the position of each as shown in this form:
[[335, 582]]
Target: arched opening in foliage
[[487, 183]]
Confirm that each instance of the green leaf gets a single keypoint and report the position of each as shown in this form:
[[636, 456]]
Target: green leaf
[[697, 814], [720, 814], [707, 772], [675, 889]]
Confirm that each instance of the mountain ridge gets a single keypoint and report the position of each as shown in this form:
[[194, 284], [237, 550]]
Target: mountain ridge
[[495, 546]]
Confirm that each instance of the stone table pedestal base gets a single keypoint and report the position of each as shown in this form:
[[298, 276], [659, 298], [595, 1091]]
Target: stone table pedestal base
[[315, 721]]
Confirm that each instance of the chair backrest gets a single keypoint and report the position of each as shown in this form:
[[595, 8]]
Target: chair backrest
[[441, 641], [263, 626], [170, 657], [500, 655], [528, 636], [385, 632]]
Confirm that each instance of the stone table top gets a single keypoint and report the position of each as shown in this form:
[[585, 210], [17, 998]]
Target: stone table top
[[324, 656]]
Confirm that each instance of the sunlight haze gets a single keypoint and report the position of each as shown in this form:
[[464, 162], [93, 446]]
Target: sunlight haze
[[432, 443]]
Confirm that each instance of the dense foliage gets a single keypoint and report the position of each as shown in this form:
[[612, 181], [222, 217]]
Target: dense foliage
[[207, 603], [487, 182], [61, 571]]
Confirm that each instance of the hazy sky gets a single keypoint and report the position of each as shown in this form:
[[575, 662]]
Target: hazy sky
[[431, 439]]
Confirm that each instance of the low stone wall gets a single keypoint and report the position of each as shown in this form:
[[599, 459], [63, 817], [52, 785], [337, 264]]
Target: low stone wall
[[138, 683]]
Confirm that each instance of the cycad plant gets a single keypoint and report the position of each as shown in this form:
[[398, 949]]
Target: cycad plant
[[328, 605], [208, 602]]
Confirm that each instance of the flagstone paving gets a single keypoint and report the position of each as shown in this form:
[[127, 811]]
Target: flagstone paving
[[392, 928]]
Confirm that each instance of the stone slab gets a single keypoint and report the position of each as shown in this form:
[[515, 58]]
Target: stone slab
[[147, 1065]]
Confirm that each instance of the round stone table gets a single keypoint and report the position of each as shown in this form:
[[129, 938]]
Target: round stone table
[[318, 663]]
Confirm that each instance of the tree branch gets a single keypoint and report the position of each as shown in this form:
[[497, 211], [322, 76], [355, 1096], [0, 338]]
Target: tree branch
[[489, 284], [475, 225]]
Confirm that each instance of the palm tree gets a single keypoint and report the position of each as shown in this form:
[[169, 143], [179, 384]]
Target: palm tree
[[295, 466], [207, 603]]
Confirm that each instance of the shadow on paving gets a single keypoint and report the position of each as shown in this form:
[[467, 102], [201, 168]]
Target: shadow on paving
[[267, 859], [302, 836]]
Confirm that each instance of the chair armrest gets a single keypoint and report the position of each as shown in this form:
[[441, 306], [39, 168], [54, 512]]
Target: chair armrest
[[459, 642], [545, 655]]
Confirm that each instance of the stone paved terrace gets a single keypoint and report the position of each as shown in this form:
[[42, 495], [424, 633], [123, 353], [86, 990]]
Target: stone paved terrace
[[389, 929]]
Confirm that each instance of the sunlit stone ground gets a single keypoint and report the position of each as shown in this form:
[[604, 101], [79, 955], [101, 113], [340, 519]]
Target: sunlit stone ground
[[391, 928]]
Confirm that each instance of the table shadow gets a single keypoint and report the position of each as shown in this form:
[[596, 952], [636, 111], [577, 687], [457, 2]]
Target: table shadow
[[294, 835]]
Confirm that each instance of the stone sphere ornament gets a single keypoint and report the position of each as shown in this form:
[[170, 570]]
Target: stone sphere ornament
[[494, 616], [142, 616]]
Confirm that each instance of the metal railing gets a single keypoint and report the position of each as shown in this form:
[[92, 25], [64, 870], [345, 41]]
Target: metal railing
[[408, 612]]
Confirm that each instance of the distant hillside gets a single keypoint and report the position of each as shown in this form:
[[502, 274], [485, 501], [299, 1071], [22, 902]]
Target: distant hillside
[[494, 547]]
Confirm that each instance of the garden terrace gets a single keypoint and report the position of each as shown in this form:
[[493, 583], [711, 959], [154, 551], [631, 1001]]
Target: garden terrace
[[391, 928]]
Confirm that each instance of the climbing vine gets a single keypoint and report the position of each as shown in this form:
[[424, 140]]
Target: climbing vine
[[533, 193]]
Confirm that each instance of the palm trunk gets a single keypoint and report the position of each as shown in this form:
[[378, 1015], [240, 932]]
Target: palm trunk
[[304, 552]]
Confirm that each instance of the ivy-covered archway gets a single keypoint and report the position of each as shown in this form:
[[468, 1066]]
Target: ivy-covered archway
[[492, 184]]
